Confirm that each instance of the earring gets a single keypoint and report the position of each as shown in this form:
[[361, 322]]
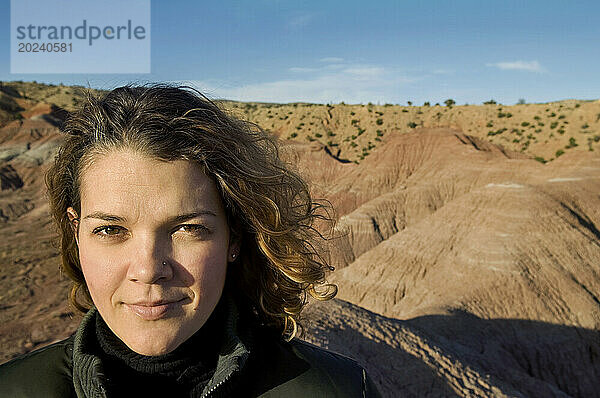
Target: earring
[[164, 264], [233, 255]]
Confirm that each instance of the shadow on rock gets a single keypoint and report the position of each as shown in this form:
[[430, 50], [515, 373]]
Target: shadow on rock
[[460, 354]]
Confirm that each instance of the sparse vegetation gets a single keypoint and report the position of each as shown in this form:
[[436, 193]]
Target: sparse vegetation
[[572, 143], [525, 131]]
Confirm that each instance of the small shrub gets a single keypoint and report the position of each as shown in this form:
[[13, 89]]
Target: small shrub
[[499, 131], [490, 102], [572, 143], [379, 133], [294, 135], [490, 124], [559, 153], [553, 125], [540, 159], [379, 122], [426, 103], [412, 125], [525, 124], [449, 102], [318, 135]]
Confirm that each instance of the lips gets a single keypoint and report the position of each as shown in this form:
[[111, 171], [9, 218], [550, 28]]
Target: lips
[[151, 311]]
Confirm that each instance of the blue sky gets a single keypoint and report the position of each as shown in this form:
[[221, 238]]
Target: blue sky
[[359, 51]]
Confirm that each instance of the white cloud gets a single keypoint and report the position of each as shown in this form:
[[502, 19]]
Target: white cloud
[[332, 60], [301, 70], [370, 71], [531, 66], [352, 84]]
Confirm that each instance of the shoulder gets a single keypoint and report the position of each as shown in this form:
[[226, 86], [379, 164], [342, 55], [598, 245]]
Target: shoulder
[[44, 372], [300, 369], [325, 360]]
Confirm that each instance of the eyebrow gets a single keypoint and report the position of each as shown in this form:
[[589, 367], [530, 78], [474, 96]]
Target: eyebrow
[[100, 215]]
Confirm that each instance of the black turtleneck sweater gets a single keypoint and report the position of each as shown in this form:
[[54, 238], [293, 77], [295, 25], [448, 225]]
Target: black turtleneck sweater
[[181, 373]]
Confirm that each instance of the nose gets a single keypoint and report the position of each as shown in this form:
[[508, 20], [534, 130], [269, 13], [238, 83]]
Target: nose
[[149, 263]]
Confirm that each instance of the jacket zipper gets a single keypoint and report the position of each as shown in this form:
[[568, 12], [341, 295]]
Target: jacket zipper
[[209, 392]]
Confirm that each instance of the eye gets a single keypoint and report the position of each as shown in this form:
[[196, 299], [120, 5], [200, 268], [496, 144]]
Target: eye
[[107, 231], [195, 229]]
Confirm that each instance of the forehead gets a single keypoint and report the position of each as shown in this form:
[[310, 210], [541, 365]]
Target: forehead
[[122, 180]]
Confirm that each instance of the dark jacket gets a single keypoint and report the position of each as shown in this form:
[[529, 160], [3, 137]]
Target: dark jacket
[[271, 368]]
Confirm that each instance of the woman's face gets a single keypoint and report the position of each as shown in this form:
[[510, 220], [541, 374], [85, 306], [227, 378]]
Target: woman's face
[[153, 245]]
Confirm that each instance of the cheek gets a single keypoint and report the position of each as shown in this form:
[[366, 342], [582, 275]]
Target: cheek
[[102, 273], [204, 269]]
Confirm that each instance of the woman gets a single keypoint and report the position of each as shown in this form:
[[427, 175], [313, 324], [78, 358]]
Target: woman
[[189, 243]]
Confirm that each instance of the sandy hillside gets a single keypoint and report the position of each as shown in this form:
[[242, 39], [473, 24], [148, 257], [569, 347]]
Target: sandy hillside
[[466, 267]]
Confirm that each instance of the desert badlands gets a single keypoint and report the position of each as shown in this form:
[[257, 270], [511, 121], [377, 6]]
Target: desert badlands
[[466, 248]]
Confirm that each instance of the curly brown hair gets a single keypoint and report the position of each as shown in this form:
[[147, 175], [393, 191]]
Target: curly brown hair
[[270, 202]]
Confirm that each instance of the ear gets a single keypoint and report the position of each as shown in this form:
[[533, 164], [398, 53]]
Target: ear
[[74, 220], [235, 245]]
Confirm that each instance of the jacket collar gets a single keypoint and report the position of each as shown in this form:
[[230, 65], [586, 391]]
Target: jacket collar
[[88, 372]]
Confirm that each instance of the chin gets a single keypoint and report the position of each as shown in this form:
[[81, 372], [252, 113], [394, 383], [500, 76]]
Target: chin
[[153, 348], [152, 342]]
